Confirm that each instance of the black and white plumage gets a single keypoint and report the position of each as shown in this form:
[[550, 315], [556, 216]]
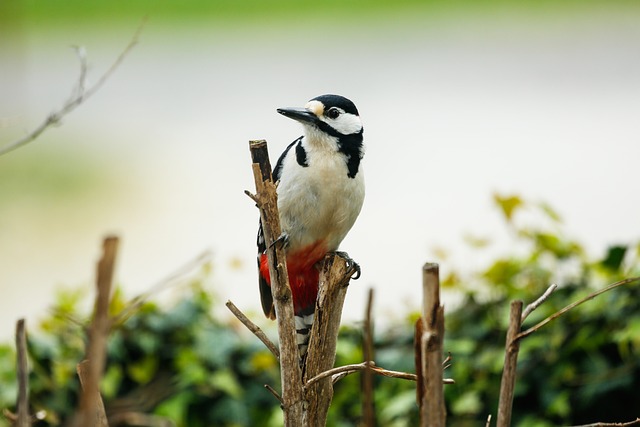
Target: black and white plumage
[[320, 188]]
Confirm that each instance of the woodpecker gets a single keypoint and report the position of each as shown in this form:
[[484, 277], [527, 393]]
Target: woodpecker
[[320, 188]]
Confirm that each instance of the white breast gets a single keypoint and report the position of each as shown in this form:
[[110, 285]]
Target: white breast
[[318, 202]]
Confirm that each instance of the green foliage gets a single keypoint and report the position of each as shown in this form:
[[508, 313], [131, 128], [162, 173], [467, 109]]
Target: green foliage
[[184, 363]]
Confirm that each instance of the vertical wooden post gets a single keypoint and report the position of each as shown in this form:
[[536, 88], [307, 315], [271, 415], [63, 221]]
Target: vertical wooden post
[[267, 198], [23, 417], [321, 354], [508, 383], [433, 412], [368, 403], [90, 409]]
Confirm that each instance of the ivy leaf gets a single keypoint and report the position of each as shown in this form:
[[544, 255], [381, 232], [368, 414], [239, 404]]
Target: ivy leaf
[[613, 259]]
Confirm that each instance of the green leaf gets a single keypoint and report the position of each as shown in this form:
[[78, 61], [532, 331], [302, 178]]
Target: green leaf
[[226, 382], [508, 205], [613, 260]]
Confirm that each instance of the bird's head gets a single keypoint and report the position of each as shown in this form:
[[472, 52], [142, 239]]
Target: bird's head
[[334, 115]]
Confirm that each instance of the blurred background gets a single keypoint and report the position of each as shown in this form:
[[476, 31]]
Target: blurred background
[[460, 101]]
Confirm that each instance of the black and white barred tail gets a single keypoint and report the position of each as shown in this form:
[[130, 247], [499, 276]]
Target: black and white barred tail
[[303, 330]]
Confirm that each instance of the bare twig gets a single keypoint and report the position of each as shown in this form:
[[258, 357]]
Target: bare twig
[[508, 383], [446, 363], [172, 280], [529, 309], [627, 424], [252, 197], [79, 93], [433, 412], [488, 421], [290, 372], [342, 371], [573, 305], [255, 329], [273, 392], [23, 418], [368, 403]]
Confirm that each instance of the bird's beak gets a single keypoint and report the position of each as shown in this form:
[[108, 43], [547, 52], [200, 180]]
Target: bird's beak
[[300, 114]]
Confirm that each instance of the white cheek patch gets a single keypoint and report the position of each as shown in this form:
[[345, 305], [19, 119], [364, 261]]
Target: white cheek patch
[[346, 124]]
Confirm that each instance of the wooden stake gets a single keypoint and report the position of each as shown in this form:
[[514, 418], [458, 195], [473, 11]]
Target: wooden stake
[[433, 412], [321, 353], [267, 200], [368, 403], [90, 409], [508, 383], [23, 417]]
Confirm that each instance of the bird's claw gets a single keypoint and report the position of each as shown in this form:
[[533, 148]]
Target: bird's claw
[[351, 264], [282, 240]]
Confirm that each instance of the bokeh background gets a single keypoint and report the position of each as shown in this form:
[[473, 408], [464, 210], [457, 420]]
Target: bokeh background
[[460, 100]]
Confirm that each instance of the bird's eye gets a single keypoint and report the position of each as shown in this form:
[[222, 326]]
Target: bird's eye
[[333, 113]]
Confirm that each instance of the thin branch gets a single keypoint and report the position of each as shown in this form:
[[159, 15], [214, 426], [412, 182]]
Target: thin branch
[[531, 307], [370, 365], [627, 424], [488, 421], [273, 392], [79, 94], [172, 280], [446, 363], [255, 329], [252, 197], [23, 418], [573, 305]]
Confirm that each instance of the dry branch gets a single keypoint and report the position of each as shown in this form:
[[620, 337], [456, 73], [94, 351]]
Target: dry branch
[[267, 201], [635, 422], [23, 419], [573, 305], [90, 410], [255, 329], [433, 412], [508, 383], [531, 307], [336, 272], [368, 403], [78, 95], [175, 278], [342, 371]]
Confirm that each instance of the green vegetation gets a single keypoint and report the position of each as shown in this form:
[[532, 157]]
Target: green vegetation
[[53, 13], [185, 363]]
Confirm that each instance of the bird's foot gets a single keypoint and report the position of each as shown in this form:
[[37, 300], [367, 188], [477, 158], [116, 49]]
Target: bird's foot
[[352, 266], [282, 240]]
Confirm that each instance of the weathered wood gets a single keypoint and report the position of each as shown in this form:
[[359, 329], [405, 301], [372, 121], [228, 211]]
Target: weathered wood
[[321, 353], [508, 383], [90, 409], [23, 418], [267, 200], [433, 412], [368, 402]]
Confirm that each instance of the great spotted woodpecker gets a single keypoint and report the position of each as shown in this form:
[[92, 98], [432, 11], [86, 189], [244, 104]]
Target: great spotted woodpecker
[[320, 189]]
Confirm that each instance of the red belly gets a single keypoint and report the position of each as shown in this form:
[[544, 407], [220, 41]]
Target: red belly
[[303, 274]]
